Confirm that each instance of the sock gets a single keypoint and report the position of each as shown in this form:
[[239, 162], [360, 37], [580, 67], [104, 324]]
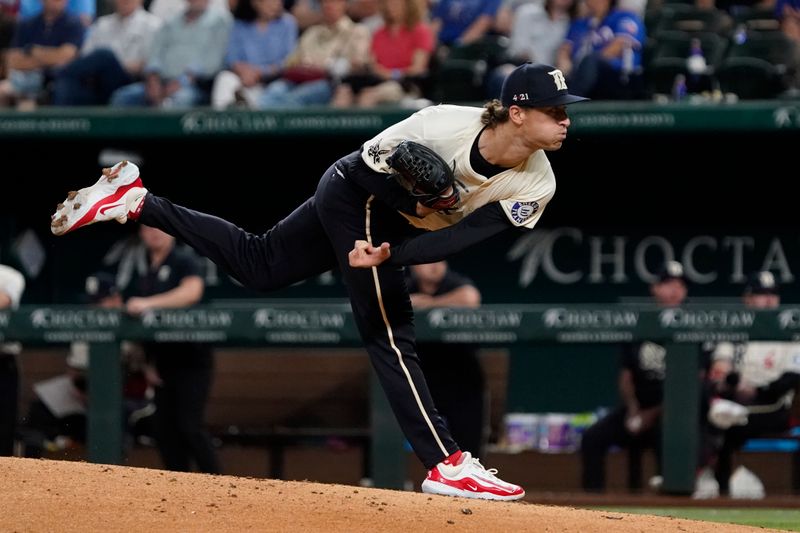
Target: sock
[[136, 209], [453, 459]]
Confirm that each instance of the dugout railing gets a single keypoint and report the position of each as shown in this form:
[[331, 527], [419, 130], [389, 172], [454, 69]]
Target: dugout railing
[[281, 322]]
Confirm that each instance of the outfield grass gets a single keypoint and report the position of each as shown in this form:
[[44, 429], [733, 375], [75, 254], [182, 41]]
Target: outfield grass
[[786, 519]]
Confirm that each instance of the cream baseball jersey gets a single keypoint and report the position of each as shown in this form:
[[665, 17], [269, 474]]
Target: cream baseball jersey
[[523, 191], [12, 283], [759, 363]]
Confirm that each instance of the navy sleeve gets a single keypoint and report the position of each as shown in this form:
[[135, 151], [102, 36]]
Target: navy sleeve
[[433, 246], [74, 32], [22, 35], [771, 392]]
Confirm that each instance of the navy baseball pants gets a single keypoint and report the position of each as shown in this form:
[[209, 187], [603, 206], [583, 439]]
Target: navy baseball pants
[[316, 238]]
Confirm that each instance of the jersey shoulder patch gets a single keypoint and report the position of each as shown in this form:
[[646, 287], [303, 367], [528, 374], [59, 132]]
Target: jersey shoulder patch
[[522, 211]]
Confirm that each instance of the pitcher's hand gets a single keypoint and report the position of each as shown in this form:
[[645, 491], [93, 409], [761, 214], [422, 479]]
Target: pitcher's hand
[[364, 255]]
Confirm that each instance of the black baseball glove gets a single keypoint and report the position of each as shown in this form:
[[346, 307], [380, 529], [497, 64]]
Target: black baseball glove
[[425, 175]]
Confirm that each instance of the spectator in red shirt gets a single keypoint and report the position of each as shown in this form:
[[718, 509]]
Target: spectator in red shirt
[[401, 51]]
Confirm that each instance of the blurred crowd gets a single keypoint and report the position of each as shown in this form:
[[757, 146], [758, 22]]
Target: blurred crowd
[[264, 54]]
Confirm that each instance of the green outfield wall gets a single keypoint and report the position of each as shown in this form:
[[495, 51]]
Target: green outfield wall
[[588, 118], [638, 183], [710, 185]]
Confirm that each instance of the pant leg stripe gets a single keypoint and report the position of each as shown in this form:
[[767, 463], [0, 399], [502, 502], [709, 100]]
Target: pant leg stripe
[[390, 335]]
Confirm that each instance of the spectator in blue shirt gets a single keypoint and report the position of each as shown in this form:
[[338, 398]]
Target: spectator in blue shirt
[[262, 37], [85, 10], [40, 46], [113, 55], [461, 22], [788, 14], [601, 56]]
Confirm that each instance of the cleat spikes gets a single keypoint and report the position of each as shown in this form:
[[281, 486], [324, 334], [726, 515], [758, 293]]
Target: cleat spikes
[[113, 173], [60, 221], [117, 195]]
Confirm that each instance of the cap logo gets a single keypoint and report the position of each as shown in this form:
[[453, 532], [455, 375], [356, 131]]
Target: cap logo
[[558, 79]]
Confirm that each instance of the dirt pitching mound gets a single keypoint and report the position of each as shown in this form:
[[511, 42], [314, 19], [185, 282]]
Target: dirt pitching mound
[[67, 496]]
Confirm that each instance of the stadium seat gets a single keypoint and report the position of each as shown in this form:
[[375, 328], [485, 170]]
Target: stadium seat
[[691, 19], [669, 59], [755, 68], [459, 75], [657, 19], [491, 48], [459, 81], [756, 19], [750, 78], [773, 47]]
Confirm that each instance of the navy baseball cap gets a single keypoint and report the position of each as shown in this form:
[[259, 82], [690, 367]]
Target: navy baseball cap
[[670, 270], [536, 85], [762, 282], [100, 285]]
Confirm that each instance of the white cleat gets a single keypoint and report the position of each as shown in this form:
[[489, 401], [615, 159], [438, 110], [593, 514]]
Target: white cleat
[[117, 195], [469, 479]]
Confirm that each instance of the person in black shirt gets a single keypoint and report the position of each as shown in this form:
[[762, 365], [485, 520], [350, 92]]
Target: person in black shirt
[[636, 423], [12, 285], [181, 371], [461, 401]]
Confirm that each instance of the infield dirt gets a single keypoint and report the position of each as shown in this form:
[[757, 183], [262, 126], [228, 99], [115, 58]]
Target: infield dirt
[[42, 495]]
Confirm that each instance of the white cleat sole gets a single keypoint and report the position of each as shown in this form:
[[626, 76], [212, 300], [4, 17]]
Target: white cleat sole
[[434, 487], [92, 204]]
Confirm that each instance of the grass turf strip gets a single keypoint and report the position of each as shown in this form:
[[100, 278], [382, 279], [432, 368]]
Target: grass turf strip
[[786, 519]]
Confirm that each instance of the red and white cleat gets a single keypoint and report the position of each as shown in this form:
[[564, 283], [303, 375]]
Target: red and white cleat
[[117, 195], [469, 479]]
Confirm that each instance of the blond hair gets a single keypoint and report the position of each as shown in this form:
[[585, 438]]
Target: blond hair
[[494, 113], [414, 14]]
